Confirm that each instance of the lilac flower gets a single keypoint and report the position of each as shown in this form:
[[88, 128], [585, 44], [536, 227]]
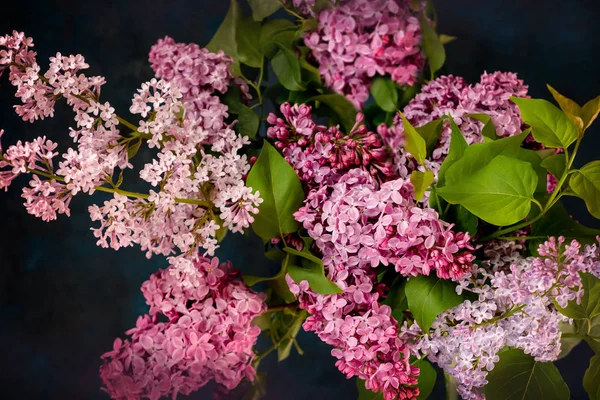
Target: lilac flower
[[209, 334], [359, 39], [514, 308]]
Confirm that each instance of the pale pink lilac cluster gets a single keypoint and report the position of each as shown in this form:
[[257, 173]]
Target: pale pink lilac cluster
[[452, 96], [357, 40], [358, 225], [209, 334], [320, 154], [98, 147], [514, 308], [197, 177]]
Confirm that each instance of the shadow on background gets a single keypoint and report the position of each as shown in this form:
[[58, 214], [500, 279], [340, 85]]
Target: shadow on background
[[63, 300]]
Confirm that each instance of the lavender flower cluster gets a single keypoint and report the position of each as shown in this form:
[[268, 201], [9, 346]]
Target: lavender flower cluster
[[357, 40]]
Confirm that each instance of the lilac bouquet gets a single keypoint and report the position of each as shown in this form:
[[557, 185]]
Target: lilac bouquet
[[417, 218]]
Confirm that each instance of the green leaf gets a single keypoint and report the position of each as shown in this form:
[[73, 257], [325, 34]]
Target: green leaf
[[133, 149], [489, 129], [585, 183], [248, 42], [590, 111], [281, 192], [567, 343], [225, 38], [385, 93], [431, 133], [366, 394], [248, 122], [549, 125], [277, 282], [500, 193], [421, 181], [285, 344], [478, 155], [518, 376], [458, 146], [591, 379], [433, 47], [287, 68], [413, 142], [261, 9], [263, 321], [341, 106], [276, 31], [429, 296], [566, 104], [555, 164], [445, 39], [590, 301], [396, 299], [426, 379], [557, 222], [464, 220], [313, 271], [313, 72]]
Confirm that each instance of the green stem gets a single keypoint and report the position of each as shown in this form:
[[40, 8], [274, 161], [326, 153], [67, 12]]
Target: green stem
[[522, 237], [202, 203], [510, 229], [451, 393]]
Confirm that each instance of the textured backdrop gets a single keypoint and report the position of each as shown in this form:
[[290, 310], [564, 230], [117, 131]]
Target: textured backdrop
[[63, 300]]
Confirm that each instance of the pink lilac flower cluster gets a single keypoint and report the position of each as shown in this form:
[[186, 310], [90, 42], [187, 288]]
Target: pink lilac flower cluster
[[450, 95], [359, 39], [209, 334], [514, 308], [357, 223], [320, 154], [357, 226], [363, 333], [197, 175], [98, 151]]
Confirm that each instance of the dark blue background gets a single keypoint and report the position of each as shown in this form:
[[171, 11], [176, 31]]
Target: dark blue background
[[63, 300]]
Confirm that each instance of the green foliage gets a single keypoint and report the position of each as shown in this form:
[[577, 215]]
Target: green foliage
[[557, 222], [396, 299], [518, 376], [248, 42], [428, 296], [591, 379], [426, 379], [276, 31], [500, 193], [433, 47], [464, 220], [550, 126], [478, 155], [341, 106], [590, 301], [261, 9], [277, 282], [287, 68], [366, 394], [590, 111], [458, 146], [414, 143], [310, 268], [430, 132], [225, 38], [585, 183], [421, 181], [489, 130], [385, 93], [555, 164], [286, 334], [248, 122], [281, 192]]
